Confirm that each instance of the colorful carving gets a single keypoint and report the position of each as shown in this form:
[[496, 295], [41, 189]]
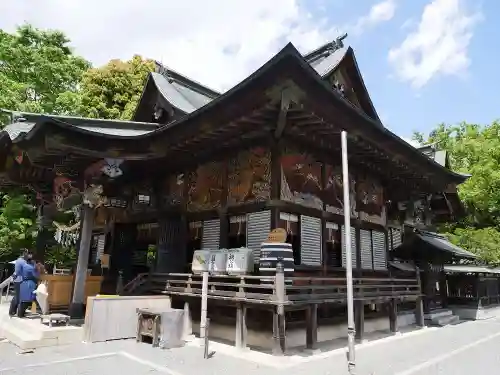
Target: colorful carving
[[63, 188], [333, 194], [301, 179], [206, 187], [175, 189], [249, 176], [370, 200]]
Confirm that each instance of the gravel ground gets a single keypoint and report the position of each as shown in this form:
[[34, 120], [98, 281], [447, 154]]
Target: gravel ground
[[463, 349]]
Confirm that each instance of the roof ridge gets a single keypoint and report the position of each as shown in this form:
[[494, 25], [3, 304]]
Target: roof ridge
[[197, 86], [329, 47]]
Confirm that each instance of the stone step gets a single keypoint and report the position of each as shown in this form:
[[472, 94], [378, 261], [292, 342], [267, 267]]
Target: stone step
[[25, 340], [438, 313], [445, 320]]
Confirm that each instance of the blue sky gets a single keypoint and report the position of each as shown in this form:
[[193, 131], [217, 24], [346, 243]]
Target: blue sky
[[467, 93], [424, 61]]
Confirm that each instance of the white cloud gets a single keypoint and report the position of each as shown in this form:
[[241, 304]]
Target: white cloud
[[380, 12], [216, 42], [438, 46]]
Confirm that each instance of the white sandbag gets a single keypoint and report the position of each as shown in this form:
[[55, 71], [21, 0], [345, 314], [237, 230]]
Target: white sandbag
[[42, 296], [172, 329]]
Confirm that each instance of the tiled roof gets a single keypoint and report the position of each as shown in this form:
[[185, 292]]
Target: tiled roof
[[110, 127], [188, 95]]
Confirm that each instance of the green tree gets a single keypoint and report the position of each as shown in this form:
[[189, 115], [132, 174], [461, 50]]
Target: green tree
[[474, 149], [112, 91], [18, 227], [38, 71]]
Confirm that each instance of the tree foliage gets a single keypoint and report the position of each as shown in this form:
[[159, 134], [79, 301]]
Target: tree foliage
[[38, 70], [38, 73], [475, 150], [18, 227], [113, 91]]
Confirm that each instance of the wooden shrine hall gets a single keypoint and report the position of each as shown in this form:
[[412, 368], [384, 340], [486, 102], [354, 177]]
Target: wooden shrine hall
[[198, 169]]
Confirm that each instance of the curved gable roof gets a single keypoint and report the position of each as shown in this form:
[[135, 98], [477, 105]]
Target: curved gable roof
[[328, 58], [289, 64]]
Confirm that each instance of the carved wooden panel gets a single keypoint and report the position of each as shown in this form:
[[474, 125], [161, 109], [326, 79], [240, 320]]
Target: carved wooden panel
[[206, 188], [173, 190], [301, 179], [249, 176], [370, 200], [333, 195]]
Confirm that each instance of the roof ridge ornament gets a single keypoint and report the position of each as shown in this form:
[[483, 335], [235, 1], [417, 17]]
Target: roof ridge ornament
[[161, 69], [338, 43]]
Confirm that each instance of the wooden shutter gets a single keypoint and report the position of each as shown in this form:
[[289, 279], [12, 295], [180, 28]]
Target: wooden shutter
[[310, 240], [258, 228], [210, 235], [379, 250], [171, 255], [353, 246], [101, 242], [366, 249], [396, 239]]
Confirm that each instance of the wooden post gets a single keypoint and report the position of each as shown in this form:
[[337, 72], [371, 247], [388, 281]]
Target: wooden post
[[119, 283], [279, 328], [419, 310], [76, 309], [312, 326], [241, 326], [204, 302], [359, 320], [393, 315]]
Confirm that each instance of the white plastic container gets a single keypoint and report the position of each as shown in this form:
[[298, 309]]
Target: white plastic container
[[201, 261], [217, 263], [239, 261]]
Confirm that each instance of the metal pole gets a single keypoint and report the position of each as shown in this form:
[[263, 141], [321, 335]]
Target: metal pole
[[351, 332], [204, 298]]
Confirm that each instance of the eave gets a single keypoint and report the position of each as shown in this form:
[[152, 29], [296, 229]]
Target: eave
[[250, 110]]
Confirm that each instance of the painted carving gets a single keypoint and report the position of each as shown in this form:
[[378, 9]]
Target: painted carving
[[249, 176], [415, 212], [301, 179], [333, 193], [205, 187], [175, 189], [370, 200], [63, 188]]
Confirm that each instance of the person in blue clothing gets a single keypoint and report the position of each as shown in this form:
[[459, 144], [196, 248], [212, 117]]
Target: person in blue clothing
[[16, 280], [28, 286]]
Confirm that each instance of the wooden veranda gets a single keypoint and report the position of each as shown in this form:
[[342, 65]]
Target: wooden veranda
[[281, 295]]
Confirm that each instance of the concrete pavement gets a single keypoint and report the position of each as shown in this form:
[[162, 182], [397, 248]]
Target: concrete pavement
[[466, 348]]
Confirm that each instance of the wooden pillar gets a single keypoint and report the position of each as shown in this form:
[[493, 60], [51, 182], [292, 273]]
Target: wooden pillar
[[76, 310], [443, 289], [359, 306], [276, 150], [312, 326], [359, 320], [419, 309], [223, 217], [241, 326], [393, 315]]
